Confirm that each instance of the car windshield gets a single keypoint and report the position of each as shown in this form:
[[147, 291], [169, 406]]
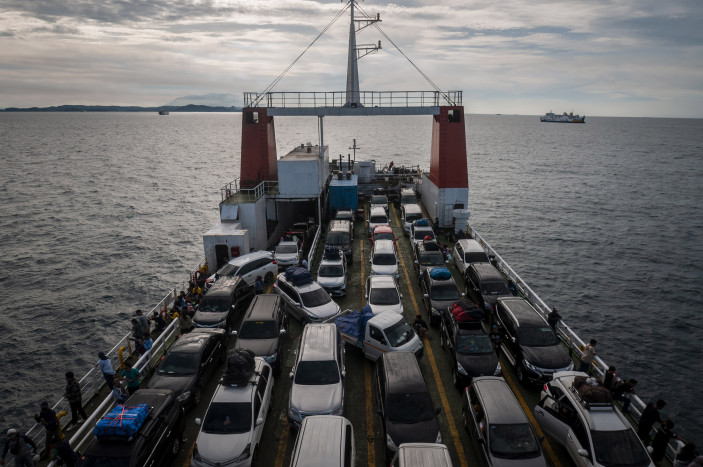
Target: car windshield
[[384, 296], [400, 333], [228, 418], [228, 270], [104, 461], [620, 448], [444, 292], [344, 216], [409, 218], [378, 220], [495, 288], [384, 259], [379, 199], [179, 364], [408, 199], [409, 407], [286, 249], [383, 236], [537, 337], [331, 270], [215, 304], [316, 297], [513, 441], [420, 234], [337, 239], [258, 330], [476, 257], [473, 344], [317, 372], [431, 259]]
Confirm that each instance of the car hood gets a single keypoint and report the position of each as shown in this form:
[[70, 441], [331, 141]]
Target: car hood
[[384, 270], [286, 257], [323, 312], [378, 309], [550, 358], [330, 281], [479, 365], [533, 462], [221, 447], [177, 384], [442, 305], [315, 399], [260, 347], [208, 318], [420, 432]]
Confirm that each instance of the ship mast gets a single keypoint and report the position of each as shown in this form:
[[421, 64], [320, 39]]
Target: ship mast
[[354, 54]]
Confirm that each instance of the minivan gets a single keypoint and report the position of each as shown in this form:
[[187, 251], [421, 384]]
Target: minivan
[[377, 216], [422, 455], [484, 284], [324, 441], [340, 235], [407, 196], [408, 214], [467, 251], [263, 328], [222, 302], [384, 259], [494, 418], [405, 406], [318, 374]]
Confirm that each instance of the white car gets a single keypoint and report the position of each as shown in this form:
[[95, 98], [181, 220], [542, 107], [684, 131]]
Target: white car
[[377, 216], [419, 230], [249, 266], [231, 430], [384, 260], [467, 251], [307, 302], [382, 294], [287, 253], [332, 274]]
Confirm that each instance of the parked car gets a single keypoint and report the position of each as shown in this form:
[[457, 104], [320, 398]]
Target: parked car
[[382, 232], [407, 196], [594, 434], [384, 259], [262, 329], [529, 343], [317, 376], [405, 406], [422, 455], [377, 216], [332, 273], [382, 294], [340, 235], [191, 361], [439, 291], [484, 284], [409, 213], [345, 215], [308, 302], [420, 230], [223, 302], [498, 425], [427, 255], [156, 443], [337, 450], [470, 349], [249, 266], [467, 251], [288, 253], [231, 430], [379, 201]]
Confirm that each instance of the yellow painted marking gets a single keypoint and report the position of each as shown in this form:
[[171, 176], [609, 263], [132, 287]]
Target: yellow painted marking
[[370, 449], [282, 444], [435, 371], [546, 446], [190, 455]]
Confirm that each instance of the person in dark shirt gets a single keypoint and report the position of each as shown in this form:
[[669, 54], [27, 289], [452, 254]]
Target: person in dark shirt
[[553, 318], [47, 417], [73, 396], [619, 391], [19, 446], [610, 375], [649, 416], [661, 440]]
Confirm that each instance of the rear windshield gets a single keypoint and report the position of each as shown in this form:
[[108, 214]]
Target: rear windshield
[[331, 270], [383, 236], [317, 297], [338, 239], [413, 217], [421, 234], [513, 441], [384, 296], [104, 461], [495, 288], [537, 337], [384, 259], [317, 372], [444, 292], [400, 333], [473, 344], [431, 259], [285, 249], [378, 220], [409, 408], [179, 364], [621, 448], [408, 199], [228, 270], [476, 257], [215, 304], [258, 330], [228, 418], [379, 199]]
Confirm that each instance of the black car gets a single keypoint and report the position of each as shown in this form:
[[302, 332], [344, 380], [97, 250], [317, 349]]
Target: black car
[[262, 329], [156, 443], [427, 255], [223, 301], [470, 350], [189, 364], [439, 292], [528, 342], [484, 284], [340, 235]]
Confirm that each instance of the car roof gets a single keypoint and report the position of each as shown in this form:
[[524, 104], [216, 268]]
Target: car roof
[[486, 271], [319, 441], [193, 341], [436, 280], [377, 211], [224, 286], [382, 280], [300, 288], [523, 311], [263, 306], [319, 340], [383, 246], [288, 242], [412, 207], [382, 229], [401, 369], [240, 393], [385, 319], [434, 454], [339, 224], [470, 245], [499, 402], [240, 260]]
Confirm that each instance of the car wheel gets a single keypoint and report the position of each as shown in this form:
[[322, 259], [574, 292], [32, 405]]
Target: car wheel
[[197, 395], [520, 373], [175, 446], [268, 277]]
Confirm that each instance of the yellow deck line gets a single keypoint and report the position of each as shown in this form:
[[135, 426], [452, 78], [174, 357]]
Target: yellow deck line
[[282, 444], [435, 371]]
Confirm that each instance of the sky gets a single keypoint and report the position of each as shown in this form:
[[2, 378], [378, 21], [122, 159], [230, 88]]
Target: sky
[[625, 58]]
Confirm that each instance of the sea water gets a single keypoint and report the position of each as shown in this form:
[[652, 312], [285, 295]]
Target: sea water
[[103, 213]]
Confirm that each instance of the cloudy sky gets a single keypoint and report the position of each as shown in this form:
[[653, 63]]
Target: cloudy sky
[[595, 57]]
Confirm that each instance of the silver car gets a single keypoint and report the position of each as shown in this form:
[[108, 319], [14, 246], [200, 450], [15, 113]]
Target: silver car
[[318, 374], [332, 275], [308, 302], [287, 253]]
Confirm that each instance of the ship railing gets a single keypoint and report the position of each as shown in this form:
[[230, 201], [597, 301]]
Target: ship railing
[[93, 380], [234, 188], [313, 99]]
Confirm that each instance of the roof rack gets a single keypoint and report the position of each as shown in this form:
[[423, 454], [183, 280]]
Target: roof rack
[[588, 405]]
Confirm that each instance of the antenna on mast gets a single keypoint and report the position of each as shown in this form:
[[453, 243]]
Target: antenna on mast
[[355, 53]]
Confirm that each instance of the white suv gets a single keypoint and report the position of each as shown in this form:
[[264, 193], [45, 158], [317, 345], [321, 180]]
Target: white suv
[[249, 266], [382, 294], [307, 302], [234, 421], [595, 434], [384, 260]]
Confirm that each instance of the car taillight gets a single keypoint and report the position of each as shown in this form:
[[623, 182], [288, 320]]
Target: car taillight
[[274, 261]]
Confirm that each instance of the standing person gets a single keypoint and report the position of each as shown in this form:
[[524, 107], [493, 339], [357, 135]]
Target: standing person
[[589, 353], [47, 417], [148, 342], [304, 263], [18, 445], [650, 414], [64, 452], [661, 440], [137, 329], [144, 321], [259, 285], [685, 455], [496, 337], [420, 326], [610, 375], [619, 391], [106, 367], [553, 318], [74, 398], [131, 375]]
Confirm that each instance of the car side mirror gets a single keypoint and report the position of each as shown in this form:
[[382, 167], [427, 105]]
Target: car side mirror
[[415, 262], [198, 421], [344, 373], [259, 421], [290, 375], [512, 339], [426, 295], [463, 294], [650, 449], [438, 411], [583, 453], [233, 333], [233, 307], [296, 303], [282, 332], [401, 295], [379, 413]]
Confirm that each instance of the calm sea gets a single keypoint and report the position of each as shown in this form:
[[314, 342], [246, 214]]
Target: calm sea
[[100, 214]]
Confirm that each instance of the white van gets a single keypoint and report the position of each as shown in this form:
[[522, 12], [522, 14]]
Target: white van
[[408, 214], [324, 441], [422, 455], [377, 216]]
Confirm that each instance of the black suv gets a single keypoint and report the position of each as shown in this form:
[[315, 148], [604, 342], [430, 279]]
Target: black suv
[[221, 303], [439, 292], [189, 364], [263, 326], [427, 255], [156, 443], [470, 349], [485, 284], [529, 343]]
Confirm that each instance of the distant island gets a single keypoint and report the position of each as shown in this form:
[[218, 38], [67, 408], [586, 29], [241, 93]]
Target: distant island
[[120, 108]]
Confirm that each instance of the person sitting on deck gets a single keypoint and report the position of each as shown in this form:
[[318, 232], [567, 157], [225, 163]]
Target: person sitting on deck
[[420, 326]]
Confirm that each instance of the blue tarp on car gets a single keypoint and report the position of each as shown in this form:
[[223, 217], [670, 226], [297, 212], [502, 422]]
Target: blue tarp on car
[[354, 323], [440, 273], [122, 421]]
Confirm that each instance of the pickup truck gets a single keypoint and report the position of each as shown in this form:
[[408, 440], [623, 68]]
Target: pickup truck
[[377, 334]]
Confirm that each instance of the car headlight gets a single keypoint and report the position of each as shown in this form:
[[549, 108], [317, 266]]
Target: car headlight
[[498, 371], [270, 358], [183, 397], [531, 367], [439, 438], [460, 369], [434, 311], [196, 454], [390, 444], [244, 455], [339, 410]]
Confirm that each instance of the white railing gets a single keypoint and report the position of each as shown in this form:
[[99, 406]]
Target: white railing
[[339, 99], [234, 187]]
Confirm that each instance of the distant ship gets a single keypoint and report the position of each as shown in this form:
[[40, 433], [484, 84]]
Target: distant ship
[[163, 112], [563, 118]]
